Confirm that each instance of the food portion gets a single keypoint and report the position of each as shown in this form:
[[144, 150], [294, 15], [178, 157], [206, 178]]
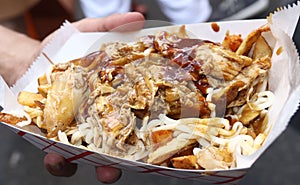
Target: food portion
[[166, 99]]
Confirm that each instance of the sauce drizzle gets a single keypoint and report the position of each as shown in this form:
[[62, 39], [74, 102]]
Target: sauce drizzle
[[215, 27]]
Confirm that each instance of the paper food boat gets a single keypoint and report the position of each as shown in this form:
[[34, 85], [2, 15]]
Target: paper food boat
[[69, 44]]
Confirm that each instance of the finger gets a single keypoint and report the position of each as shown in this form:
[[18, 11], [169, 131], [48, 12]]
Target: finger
[[108, 174], [117, 22], [59, 166]]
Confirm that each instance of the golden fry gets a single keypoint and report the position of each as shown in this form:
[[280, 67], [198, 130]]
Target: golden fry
[[161, 136], [11, 119], [185, 162], [42, 80], [29, 99], [43, 89]]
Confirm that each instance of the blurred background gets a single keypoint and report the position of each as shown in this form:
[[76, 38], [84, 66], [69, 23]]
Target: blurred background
[[22, 164]]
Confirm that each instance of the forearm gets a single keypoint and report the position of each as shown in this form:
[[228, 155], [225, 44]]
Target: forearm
[[17, 53]]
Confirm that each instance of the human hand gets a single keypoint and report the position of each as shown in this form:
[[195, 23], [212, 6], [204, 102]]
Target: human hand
[[18, 51], [59, 166], [115, 22], [56, 164]]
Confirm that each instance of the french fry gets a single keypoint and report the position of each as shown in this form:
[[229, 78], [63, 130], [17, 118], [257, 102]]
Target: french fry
[[10, 119], [29, 99], [185, 162], [43, 89], [42, 80], [168, 150], [161, 136]]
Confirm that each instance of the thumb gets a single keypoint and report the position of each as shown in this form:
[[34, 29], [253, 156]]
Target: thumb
[[117, 22]]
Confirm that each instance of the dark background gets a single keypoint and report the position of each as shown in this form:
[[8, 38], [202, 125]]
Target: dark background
[[22, 164]]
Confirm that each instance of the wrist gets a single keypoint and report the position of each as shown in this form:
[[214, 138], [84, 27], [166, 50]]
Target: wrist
[[18, 51]]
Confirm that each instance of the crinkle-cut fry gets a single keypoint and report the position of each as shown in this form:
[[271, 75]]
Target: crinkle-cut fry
[[185, 162], [29, 99], [11, 119], [248, 42]]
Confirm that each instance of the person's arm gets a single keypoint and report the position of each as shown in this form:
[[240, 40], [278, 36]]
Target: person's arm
[[17, 52]]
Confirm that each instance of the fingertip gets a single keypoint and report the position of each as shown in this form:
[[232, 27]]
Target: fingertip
[[135, 16], [58, 166], [108, 174], [130, 21]]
